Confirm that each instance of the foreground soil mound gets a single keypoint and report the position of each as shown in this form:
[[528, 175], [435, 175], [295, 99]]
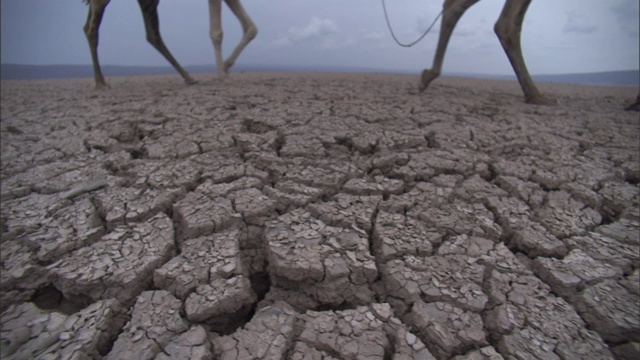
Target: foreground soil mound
[[318, 216]]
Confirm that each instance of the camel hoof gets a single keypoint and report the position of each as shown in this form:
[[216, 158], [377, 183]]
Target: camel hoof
[[190, 81], [414, 90], [633, 107], [227, 65], [102, 86], [426, 78], [541, 100]]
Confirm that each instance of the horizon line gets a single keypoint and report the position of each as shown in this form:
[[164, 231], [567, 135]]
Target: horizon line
[[323, 66]]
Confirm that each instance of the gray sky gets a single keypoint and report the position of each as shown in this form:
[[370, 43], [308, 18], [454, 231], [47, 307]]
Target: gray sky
[[559, 36]]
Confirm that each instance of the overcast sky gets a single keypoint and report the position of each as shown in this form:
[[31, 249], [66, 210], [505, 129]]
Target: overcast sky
[[559, 36]]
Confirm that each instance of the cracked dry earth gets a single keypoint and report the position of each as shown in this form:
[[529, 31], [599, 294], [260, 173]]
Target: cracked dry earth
[[318, 216]]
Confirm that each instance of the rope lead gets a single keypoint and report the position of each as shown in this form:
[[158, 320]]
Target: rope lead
[[386, 16]]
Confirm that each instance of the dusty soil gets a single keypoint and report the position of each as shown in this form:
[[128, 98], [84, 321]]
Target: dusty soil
[[318, 216]]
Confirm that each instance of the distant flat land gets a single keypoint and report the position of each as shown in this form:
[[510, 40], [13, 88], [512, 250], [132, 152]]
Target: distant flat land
[[17, 72]]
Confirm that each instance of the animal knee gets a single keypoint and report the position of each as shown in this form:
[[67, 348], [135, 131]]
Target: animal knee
[[504, 31], [499, 28], [251, 32], [154, 41], [88, 31], [92, 35], [216, 37]]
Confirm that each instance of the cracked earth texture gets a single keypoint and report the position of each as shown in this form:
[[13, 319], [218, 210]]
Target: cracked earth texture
[[318, 216]]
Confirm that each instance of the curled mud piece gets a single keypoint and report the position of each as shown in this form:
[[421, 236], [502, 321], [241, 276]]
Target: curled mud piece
[[85, 188]]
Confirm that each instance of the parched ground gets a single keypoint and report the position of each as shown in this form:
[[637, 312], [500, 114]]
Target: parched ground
[[318, 216]]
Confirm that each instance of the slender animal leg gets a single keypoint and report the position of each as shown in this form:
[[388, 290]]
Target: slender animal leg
[[248, 27], [635, 106], [152, 25], [452, 12], [91, 30], [508, 28], [216, 34]]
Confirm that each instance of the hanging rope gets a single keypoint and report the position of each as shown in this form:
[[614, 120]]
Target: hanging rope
[[386, 16]]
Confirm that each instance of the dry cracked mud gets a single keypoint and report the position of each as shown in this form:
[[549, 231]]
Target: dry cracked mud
[[317, 216]]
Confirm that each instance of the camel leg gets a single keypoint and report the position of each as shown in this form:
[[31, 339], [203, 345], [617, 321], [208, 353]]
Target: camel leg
[[91, 30], [248, 27], [635, 106], [215, 23], [452, 12], [508, 28], [152, 26], [216, 34]]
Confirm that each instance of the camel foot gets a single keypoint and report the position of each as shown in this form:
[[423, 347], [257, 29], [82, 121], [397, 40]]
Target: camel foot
[[541, 100], [190, 81], [633, 107], [414, 90], [102, 86], [227, 65], [221, 75], [426, 78]]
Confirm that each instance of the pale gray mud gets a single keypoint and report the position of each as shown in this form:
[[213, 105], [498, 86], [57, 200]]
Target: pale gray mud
[[318, 216]]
